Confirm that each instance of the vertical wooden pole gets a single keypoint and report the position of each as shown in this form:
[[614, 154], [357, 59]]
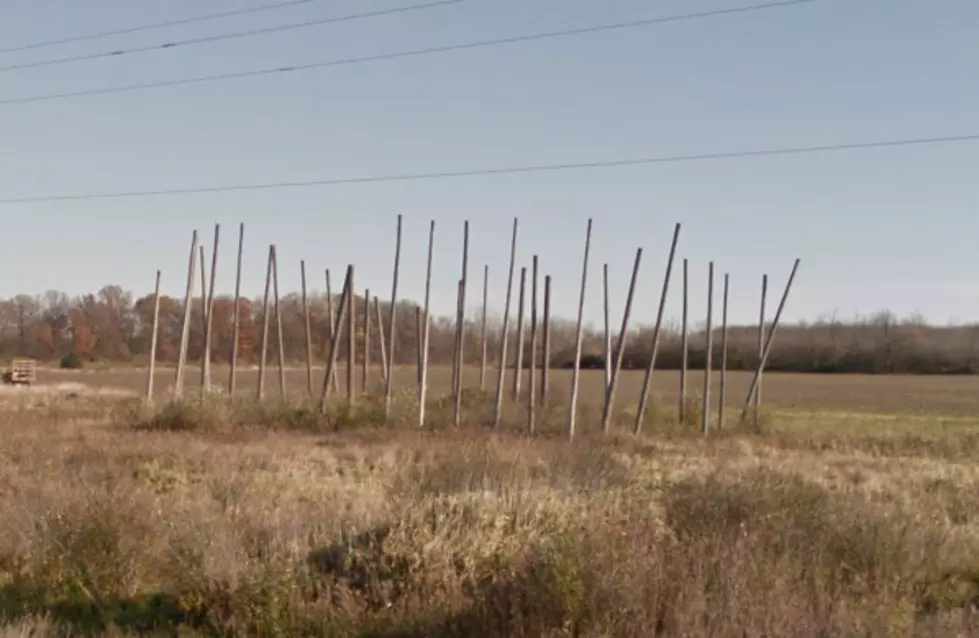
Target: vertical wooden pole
[[265, 328], [334, 327], [457, 363], [461, 326], [153, 337], [455, 341], [423, 376], [365, 368], [608, 331], [482, 334], [761, 346], [684, 346], [769, 339], [178, 385], [209, 313], [331, 366], [307, 333], [545, 378], [380, 340], [236, 330], [705, 410], [579, 333], [620, 346], [518, 359], [532, 378], [501, 373], [420, 347], [203, 318], [723, 389], [647, 381], [392, 320], [278, 323], [351, 339]]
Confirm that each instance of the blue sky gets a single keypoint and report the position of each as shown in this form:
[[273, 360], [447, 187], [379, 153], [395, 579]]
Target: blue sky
[[885, 228]]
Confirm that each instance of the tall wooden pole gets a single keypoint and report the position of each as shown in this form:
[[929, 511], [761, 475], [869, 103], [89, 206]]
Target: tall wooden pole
[[278, 323], [723, 389], [518, 359], [389, 367], [705, 410], [532, 378], [482, 335], [153, 338], [684, 347], [579, 333], [306, 330], [236, 330], [761, 347], [608, 330], [426, 330], [334, 327], [365, 367], [545, 377], [204, 370], [262, 364], [331, 366], [178, 385], [380, 340], [461, 325], [501, 373], [351, 339], [209, 313], [620, 347]]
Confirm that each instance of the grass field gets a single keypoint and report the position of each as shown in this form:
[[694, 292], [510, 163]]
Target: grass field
[[854, 511]]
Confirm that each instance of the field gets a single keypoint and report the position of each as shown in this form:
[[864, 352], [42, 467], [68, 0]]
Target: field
[[852, 511]]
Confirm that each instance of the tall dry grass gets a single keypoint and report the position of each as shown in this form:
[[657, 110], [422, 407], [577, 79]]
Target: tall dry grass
[[238, 519]]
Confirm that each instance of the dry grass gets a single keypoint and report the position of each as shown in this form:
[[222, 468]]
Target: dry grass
[[236, 519]]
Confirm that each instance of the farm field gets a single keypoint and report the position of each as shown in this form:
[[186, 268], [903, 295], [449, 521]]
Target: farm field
[[853, 511]]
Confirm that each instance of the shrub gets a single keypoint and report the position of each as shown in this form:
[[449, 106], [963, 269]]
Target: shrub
[[72, 361]]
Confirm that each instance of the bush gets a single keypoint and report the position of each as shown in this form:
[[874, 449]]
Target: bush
[[71, 361]]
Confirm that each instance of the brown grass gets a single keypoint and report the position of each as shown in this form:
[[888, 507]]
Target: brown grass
[[237, 519]]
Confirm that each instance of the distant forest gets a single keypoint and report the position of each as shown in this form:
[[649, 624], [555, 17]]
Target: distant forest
[[112, 325]]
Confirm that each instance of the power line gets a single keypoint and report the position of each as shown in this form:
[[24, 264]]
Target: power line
[[227, 36], [512, 170], [157, 25], [407, 54]]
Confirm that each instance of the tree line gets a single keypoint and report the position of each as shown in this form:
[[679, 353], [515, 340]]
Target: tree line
[[113, 325]]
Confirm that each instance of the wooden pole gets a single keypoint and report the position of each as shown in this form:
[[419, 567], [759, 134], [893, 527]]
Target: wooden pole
[[380, 340], [482, 335], [389, 359], [501, 372], [178, 385], [455, 341], [684, 346], [761, 347], [518, 359], [236, 330], [351, 339], [573, 409], [278, 323], [209, 313], [420, 347], [545, 379], [461, 325], [153, 337], [620, 346], [365, 368], [608, 331], [647, 381], [423, 376], [203, 318], [334, 327], [331, 366], [705, 410], [457, 363], [770, 338], [265, 328], [723, 389], [308, 334], [532, 379]]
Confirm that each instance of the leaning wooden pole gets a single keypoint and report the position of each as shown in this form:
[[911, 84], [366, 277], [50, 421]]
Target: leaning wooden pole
[[178, 384], [236, 317], [426, 329], [545, 373], [769, 339], [351, 340], [532, 377], [306, 329], [461, 326], [518, 359], [278, 323], [204, 371], [684, 345], [153, 338], [365, 367], [331, 366], [607, 356], [457, 364], [620, 347], [761, 347], [482, 334], [722, 398], [209, 313], [262, 364], [579, 334], [657, 331], [380, 341], [392, 320], [501, 372], [708, 363], [334, 327]]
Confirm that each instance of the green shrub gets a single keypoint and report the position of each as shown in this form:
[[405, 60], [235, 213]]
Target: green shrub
[[72, 361]]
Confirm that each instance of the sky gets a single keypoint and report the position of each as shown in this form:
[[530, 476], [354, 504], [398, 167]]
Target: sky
[[887, 228]]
